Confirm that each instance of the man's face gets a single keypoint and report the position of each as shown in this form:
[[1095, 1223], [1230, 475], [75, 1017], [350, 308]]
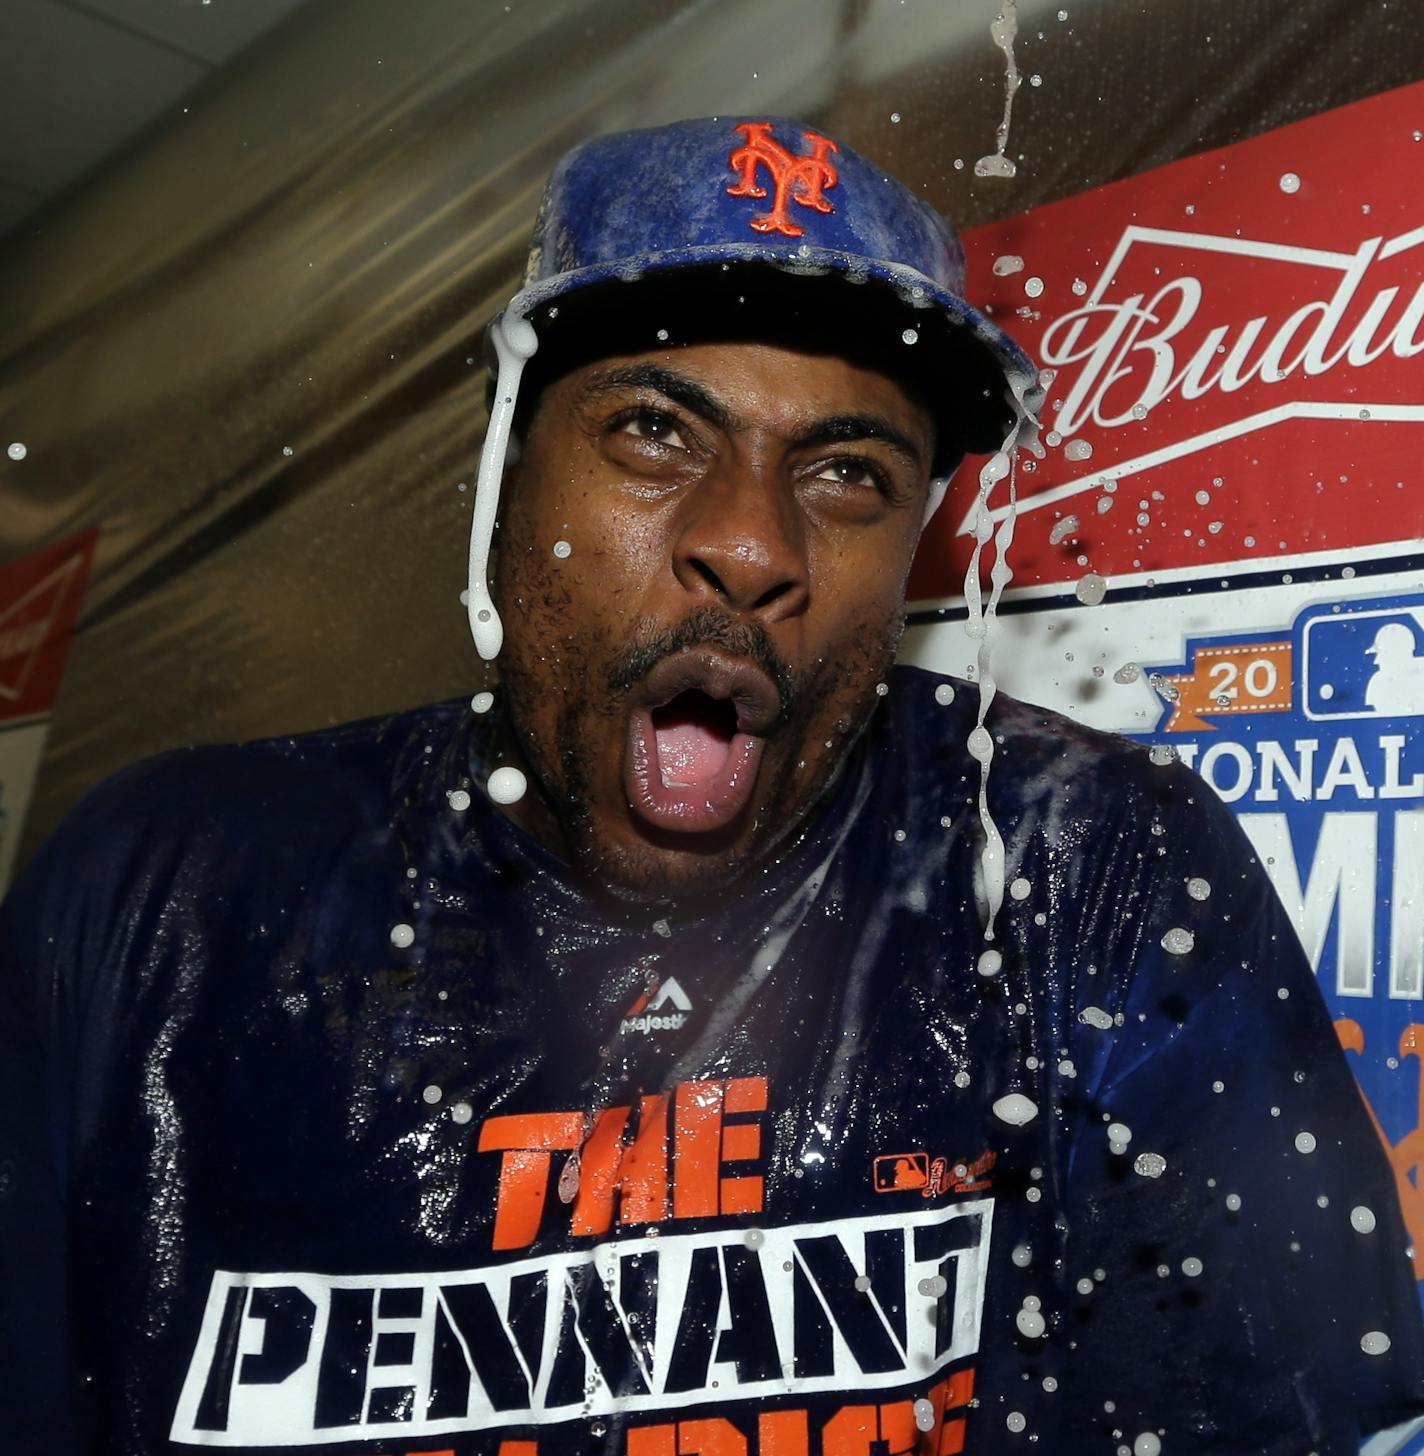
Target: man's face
[[683, 677]]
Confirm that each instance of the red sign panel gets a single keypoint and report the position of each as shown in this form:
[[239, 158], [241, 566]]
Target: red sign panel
[[1223, 339], [40, 596]]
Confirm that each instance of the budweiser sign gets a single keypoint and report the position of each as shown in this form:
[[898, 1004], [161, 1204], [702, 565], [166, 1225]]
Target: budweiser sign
[[1130, 356], [1211, 334]]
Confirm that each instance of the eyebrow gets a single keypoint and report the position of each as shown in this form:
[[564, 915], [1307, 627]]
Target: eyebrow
[[668, 382], [831, 430], [846, 429]]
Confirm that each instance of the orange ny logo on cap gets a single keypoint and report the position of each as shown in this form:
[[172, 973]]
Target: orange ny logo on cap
[[801, 178]]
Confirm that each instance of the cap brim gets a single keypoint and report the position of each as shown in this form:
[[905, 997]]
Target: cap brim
[[992, 367]]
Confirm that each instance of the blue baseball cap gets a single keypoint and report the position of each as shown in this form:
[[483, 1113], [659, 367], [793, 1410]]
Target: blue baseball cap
[[777, 209], [765, 192]]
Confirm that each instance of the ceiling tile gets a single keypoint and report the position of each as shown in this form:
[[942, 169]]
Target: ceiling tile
[[211, 29], [74, 88]]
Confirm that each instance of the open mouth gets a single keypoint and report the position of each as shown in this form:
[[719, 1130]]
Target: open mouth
[[694, 749], [693, 737]]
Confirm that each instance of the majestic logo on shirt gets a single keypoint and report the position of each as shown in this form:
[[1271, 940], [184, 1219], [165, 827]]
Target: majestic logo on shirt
[[664, 1008], [802, 179], [650, 1325]]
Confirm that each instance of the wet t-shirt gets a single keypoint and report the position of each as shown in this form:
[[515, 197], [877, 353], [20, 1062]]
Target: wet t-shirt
[[338, 1116]]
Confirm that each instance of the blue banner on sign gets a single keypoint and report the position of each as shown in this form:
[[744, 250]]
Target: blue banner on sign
[[1314, 735], [1363, 662]]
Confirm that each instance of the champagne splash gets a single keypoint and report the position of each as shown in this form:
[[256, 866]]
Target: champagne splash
[[1002, 465], [1003, 30]]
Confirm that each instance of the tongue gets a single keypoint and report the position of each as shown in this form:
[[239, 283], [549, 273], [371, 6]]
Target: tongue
[[690, 751]]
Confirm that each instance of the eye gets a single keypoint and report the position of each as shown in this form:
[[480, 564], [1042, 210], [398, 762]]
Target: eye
[[652, 425], [857, 474]]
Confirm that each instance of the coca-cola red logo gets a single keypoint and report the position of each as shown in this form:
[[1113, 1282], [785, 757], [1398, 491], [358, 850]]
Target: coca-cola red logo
[[1231, 349]]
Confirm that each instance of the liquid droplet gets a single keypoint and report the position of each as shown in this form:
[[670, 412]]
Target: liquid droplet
[[1063, 529], [1077, 450], [17, 451], [1096, 1016], [944, 695], [1015, 1421], [1015, 1109], [1376, 1342], [1008, 263], [1198, 888], [1191, 1266], [1030, 1324], [432, 1094], [563, 550], [1289, 182], [1178, 941], [1149, 1165], [1305, 1142], [1147, 1444], [402, 936], [506, 785], [990, 963], [924, 1413], [1091, 589], [1362, 1219], [459, 800]]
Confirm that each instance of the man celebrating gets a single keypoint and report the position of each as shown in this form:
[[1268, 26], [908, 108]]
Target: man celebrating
[[647, 1057]]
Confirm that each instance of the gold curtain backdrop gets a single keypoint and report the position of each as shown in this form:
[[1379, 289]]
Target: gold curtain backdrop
[[249, 351]]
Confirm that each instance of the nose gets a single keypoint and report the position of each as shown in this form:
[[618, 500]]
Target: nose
[[741, 542]]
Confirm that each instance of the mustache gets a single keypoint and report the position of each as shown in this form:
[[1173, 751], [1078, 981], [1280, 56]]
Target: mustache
[[705, 627]]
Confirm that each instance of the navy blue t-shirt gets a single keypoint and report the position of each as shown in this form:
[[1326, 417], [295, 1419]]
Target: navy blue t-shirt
[[339, 1116]]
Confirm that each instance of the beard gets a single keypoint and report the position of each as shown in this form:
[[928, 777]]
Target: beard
[[656, 867]]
